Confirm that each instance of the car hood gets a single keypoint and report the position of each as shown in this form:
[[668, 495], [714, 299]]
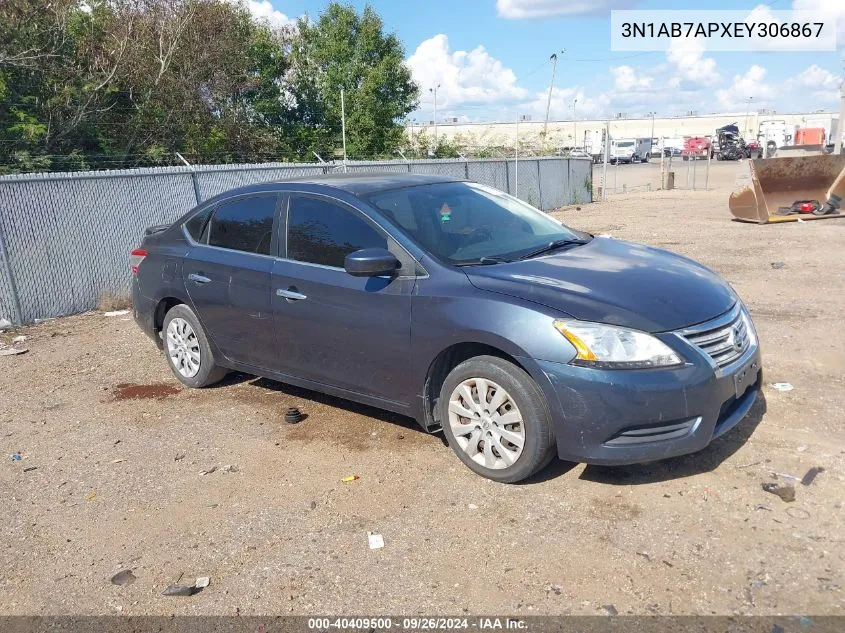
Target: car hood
[[616, 282]]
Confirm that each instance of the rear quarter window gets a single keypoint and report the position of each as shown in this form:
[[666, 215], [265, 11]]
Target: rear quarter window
[[195, 225]]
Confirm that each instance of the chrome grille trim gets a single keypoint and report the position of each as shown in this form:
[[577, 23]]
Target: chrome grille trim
[[724, 339]]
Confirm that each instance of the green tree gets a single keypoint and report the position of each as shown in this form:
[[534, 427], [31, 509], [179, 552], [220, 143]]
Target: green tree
[[344, 49]]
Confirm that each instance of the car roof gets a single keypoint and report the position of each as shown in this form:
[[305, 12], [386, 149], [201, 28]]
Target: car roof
[[367, 183]]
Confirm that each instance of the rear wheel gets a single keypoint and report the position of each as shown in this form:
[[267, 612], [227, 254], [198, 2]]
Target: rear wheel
[[187, 349], [496, 419]]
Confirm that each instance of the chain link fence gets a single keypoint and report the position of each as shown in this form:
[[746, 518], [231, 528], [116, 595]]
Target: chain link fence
[[65, 238], [669, 172]]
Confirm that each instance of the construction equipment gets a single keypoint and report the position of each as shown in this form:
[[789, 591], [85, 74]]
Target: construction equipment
[[789, 188]]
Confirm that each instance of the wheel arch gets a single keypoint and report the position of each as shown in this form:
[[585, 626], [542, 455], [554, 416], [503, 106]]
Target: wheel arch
[[449, 358], [162, 307]]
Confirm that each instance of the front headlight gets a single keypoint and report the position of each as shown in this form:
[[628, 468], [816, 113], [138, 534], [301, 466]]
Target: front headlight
[[609, 347]]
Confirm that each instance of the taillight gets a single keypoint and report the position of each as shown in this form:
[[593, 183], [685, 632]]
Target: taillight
[[135, 259]]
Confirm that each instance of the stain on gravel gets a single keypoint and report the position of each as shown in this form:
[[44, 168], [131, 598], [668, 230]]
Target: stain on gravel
[[156, 391]]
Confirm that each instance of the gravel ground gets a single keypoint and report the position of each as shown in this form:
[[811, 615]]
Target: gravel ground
[[113, 450]]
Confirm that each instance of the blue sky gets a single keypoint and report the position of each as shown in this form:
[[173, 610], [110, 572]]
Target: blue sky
[[491, 58]]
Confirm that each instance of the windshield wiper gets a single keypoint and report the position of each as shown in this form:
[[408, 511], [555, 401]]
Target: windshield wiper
[[550, 247], [486, 261]]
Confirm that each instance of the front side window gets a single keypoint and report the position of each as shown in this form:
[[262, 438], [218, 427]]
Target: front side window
[[463, 223], [245, 224], [196, 224], [320, 232]]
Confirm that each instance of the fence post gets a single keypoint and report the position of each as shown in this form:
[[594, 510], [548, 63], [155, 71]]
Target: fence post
[[508, 177], [196, 185], [17, 317], [466, 169], [539, 186]]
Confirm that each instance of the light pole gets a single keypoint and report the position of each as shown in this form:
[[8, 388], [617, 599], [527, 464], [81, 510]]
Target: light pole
[[574, 125], [747, 108], [434, 91], [651, 140], [553, 59]]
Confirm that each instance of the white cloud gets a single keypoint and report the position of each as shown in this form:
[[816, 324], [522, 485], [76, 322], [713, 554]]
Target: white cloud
[[752, 83], [264, 11], [686, 55], [526, 9], [817, 78], [834, 8], [465, 77], [561, 106], [626, 79]]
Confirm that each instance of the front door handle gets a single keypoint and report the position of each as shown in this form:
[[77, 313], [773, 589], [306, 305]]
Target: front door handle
[[200, 279], [291, 295]]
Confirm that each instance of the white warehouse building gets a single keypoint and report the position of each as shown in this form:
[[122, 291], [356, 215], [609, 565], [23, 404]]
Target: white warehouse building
[[572, 133]]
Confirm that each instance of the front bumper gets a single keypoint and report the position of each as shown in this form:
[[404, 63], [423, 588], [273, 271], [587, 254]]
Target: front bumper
[[628, 417]]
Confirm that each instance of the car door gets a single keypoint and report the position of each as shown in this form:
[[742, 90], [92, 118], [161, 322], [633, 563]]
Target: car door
[[336, 329], [227, 276]]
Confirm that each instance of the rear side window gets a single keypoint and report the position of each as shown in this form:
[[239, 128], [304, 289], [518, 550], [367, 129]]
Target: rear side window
[[196, 224], [245, 224], [324, 233]]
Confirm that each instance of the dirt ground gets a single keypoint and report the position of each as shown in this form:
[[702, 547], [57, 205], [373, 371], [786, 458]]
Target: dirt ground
[[113, 450]]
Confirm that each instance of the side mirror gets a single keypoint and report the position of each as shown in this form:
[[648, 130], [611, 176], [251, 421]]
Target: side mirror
[[371, 262]]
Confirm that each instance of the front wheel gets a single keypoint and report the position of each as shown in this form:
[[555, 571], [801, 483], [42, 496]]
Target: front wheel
[[187, 349], [496, 419]]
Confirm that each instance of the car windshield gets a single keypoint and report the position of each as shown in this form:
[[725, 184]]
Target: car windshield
[[465, 223], [628, 144]]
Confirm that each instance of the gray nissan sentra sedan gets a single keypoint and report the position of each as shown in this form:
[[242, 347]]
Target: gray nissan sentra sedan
[[459, 306]]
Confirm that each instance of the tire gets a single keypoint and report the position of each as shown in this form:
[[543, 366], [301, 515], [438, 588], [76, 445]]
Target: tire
[[521, 399], [190, 339]]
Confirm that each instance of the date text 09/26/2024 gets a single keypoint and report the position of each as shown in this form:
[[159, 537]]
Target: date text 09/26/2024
[[416, 623]]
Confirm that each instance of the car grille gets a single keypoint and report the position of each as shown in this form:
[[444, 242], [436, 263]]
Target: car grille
[[724, 339]]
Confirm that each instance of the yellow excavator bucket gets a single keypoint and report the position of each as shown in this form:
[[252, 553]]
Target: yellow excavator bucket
[[768, 184]]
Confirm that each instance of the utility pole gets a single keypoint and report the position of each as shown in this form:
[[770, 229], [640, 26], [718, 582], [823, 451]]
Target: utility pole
[[651, 140], [606, 159], [840, 128], [434, 91], [574, 125], [553, 59], [343, 127], [516, 159]]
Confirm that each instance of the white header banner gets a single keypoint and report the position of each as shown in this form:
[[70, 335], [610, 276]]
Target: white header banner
[[759, 29]]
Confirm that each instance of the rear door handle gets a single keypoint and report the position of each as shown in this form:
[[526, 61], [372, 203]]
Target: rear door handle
[[200, 279], [292, 295]]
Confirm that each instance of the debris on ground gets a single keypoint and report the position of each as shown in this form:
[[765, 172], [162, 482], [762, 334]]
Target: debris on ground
[[293, 415], [781, 386], [19, 339], [810, 475], [202, 582], [786, 476], [208, 471], [472, 506], [785, 491], [124, 577], [798, 513], [375, 540], [13, 351], [179, 457], [116, 313], [801, 448], [310, 505], [349, 479], [16, 457], [180, 590], [229, 468], [778, 265], [610, 609], [91, 496], [28, 468], [118, 460], [399, 436]]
